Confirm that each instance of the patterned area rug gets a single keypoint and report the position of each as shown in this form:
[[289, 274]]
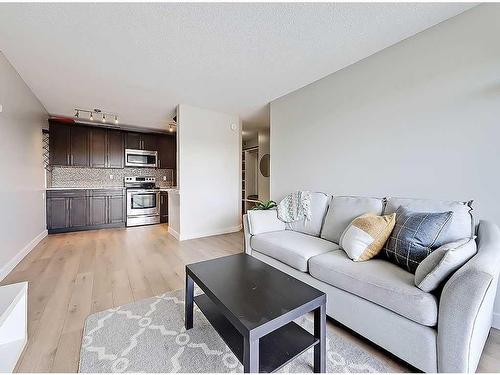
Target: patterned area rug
[[149, 336]]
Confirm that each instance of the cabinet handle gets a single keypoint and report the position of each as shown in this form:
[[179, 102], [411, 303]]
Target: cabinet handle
[[71, 158]]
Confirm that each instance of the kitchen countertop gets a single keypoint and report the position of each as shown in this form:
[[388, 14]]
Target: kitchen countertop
[[102, 188]]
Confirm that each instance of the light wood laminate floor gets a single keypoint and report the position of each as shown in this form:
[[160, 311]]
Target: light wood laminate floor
[[76, 274]]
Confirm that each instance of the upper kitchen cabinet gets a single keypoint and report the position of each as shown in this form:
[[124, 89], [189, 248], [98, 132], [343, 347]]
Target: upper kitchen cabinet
[[98, 148], [167, 151], [115, 149], [134, 140], [59, 144], [141, 141], [69, 145], [106, 148]]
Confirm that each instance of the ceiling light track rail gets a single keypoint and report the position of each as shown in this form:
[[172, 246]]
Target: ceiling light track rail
[[94, 114]]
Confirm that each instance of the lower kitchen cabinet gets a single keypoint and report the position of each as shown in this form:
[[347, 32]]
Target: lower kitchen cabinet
[[163, 207], [116, 209], [71, 210]]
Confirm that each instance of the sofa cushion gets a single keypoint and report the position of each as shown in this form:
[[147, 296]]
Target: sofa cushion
[[292, 248], [462, 222], [343, 210], [377, 281], [442, 262], [319, 205], [262, 221], [366, 236], [414, 237]]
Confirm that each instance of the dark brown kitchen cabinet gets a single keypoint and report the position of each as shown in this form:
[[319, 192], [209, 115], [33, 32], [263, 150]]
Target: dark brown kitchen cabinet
[[79, 146], [80, 209], [57, 213], [134, 140], [106, 148], [163, 207], [141, 141], [68, 144], [98, 210], [59, 144], [78, 212], [115, 149], [167, 151], [149, 142], [98, 148], [116, 209]]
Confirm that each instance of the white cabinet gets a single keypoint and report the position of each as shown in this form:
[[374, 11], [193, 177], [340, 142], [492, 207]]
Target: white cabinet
[[13, 324]]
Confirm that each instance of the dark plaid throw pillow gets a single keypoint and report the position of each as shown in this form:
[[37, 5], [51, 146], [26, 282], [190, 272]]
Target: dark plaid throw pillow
[[414, 237]]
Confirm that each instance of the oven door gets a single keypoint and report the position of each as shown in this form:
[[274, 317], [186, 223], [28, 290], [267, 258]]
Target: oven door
[[140, 158], [142, 202]]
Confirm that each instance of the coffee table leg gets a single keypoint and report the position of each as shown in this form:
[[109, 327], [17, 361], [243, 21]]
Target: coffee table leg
[[250, 355], [188, 303], [320, 333]]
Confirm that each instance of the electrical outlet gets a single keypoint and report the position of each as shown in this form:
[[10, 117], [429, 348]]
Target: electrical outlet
[[164, 178], [111, 176]]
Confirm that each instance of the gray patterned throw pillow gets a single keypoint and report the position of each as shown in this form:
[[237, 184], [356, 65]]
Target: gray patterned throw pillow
[[415, 236]]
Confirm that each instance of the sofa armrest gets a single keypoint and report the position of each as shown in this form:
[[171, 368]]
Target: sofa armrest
[[263, 221], [260, 221], [247, 235], [466, 305]]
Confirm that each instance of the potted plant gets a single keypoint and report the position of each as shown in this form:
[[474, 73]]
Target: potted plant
[[265, 205]]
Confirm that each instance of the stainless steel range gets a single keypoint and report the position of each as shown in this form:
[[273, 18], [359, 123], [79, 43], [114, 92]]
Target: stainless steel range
[[143, 201]]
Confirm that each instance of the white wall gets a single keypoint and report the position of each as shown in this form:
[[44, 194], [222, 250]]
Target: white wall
[[22, 223], [264, 146], [418, 119], [209, 173]]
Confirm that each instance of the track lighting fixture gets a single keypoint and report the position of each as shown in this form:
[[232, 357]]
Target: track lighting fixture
[[98, 112], [170, 128]]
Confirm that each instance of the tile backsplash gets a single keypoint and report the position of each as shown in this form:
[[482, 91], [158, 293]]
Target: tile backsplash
[[103, 177]]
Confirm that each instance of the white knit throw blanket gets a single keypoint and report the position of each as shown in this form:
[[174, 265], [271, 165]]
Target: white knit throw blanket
[[295, 206]]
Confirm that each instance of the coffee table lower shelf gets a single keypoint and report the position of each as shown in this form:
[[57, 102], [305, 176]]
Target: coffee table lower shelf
[[276, 348]]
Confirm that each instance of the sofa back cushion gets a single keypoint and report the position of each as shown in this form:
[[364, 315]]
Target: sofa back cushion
[[319, 205], [343, 210], [462, 221]]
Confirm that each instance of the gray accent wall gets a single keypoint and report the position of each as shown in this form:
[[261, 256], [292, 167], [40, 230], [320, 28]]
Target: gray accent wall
[[22, 219], [418, 119]]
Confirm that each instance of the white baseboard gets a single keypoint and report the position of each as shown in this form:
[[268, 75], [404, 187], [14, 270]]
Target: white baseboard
[[496, 320], [174, 233], [192, 236], [5, 270]]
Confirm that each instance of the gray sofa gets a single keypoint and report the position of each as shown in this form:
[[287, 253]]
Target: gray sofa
[[444, 331]]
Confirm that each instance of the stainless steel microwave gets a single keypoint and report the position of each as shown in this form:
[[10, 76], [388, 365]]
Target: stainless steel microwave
[[140, 158]]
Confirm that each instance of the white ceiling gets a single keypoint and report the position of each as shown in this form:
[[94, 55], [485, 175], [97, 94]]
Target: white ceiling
[[141, 60]]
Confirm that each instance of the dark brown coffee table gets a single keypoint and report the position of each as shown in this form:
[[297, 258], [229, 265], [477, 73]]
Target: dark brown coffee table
[[252, 306]]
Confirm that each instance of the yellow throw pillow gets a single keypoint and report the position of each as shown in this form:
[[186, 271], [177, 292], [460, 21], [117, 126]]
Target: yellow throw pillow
[[366, 235]]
